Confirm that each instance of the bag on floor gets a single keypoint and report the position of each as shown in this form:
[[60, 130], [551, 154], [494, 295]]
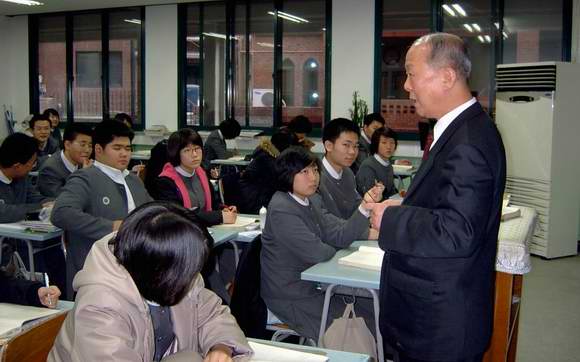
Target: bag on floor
[[350, 333]]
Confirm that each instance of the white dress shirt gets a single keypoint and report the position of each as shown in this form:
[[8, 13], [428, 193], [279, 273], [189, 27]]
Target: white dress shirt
[[118, 177], [447, 119], [299, 200], [380, 160], [335, 175], [69, 165], [5, 179]]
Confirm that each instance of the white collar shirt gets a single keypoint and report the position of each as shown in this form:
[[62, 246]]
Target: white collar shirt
[[299, 200], [4, 178], [447, 119], [69, 165], [118, 177], [380, 160], [331, 170]]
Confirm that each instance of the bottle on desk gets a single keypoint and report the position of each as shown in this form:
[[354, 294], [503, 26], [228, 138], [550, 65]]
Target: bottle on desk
[[263, 212]]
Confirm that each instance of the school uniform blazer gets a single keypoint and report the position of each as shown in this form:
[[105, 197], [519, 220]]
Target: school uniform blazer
[[19, 198], [86, 208], [437, 280], [214, 148], [52, 176]]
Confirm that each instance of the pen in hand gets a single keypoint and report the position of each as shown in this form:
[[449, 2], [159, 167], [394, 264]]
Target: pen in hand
[[47, 284]]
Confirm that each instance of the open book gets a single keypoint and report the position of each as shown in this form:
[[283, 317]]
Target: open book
[[264, 352], [13, 316], [366, 257]]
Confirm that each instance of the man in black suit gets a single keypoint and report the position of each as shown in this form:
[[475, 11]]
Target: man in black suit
[[437, 277]]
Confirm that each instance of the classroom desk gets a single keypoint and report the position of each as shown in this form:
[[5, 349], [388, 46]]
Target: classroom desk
[[403, 174], [334, 274], [511, 262], [28, 237], [222, 235], [333, 356], [238, 238], [143, 155], [230, 162]]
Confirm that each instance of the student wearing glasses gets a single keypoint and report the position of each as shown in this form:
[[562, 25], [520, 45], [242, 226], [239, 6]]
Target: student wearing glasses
[[77, 148]]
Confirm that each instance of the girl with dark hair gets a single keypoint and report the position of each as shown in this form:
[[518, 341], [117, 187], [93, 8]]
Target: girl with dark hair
[[52, 115], [299, 233], [140, 296], [184, 182], [378, 168]]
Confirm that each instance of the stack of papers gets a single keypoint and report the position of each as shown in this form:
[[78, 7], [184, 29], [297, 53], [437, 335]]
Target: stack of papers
[[366, 257], [39, 226], [13, 316], [241, 221], [402, 167], [268, 353]]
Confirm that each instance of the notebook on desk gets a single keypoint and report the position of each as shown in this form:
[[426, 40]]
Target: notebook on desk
[[269, 353], [366, 257], [14, 316]]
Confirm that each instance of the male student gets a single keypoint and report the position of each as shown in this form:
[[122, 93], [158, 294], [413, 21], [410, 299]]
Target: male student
[[17, 195], [95, 200], [40, 127], [337, 182], [77, 148], [371, 123], [215, 144]]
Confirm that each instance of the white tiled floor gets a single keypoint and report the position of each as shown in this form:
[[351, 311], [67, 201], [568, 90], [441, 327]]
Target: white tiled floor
[[550, 315]]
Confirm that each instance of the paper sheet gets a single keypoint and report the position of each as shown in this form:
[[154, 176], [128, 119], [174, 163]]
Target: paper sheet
[[241, 221], [268, 353], [13, 315]]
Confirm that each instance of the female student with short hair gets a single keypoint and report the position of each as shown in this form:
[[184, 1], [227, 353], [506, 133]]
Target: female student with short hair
[[140, 296], [378, 167], [299, 233], [184, 182]]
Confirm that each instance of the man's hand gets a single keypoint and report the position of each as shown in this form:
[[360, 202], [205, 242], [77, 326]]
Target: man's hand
[[219, 353], [375, 194], [373, 234], [228, 216], [377, 210]]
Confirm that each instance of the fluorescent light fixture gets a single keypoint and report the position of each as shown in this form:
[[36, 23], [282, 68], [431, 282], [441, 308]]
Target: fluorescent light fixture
[[192, 39], [496, 25], [468, 27], [289, 17], [487, 38], [265, 45], [218, 35], [132, 21], [448, 10], [481, 39], [476, 27], [505, 36], [459, 9], [24, 2]]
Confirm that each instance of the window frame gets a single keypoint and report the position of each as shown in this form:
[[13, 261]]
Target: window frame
[[33, 54], [230, 77]]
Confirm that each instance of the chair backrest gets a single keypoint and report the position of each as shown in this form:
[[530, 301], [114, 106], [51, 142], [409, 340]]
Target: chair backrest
[[34, 344], [155, 165]]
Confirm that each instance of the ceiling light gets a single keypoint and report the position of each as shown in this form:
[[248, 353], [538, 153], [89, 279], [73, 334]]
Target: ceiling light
[[132, 21], [468, 27], [505, 36], [476, 27], [481, 38], [24, 2], [459, 9], [289, 17], [496, 25], [448, 10], [487, 38], [265, 45]]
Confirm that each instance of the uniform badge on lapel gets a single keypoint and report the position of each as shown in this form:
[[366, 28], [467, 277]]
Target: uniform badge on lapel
[[106, 200]]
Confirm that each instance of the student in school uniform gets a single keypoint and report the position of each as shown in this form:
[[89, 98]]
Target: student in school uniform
[[141, 296], [27, 292], [299, 234], [378, 167], [54, 118], [124, 118], [40, 127], [184, 182], [337, 182], [77, 148], [256, 183], [215, 145], [371, 123], [18, 196], [301, 126], [95, 200]]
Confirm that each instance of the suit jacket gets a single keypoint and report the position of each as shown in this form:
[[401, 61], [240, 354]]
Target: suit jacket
[[86, 208], [52, 176], [437, 278]]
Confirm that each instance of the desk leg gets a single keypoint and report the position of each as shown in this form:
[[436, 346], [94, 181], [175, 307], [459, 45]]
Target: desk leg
[[236, 253], [325, 308], [380, 349], [30, 256]]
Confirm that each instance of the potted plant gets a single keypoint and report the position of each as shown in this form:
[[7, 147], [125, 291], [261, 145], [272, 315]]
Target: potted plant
[[359, 109]]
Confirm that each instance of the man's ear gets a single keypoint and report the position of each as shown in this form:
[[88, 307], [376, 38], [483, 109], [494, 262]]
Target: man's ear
[[448, 77], [328, 146], [98, 149]]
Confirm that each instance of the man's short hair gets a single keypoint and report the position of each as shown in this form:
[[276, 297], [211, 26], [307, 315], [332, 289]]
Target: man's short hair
[[230, 128], [382, 132], [72, 130], [284, 138], [17, 148], [447, 50], [106, 131], [373, 117], [336, 127], [178, 141], [51, 112], [38, 118], [123, 117], [289, 163], [163, 250], [300, 124]]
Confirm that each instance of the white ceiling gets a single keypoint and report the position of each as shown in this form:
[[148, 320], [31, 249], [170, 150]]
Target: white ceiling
[[51, 6]]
